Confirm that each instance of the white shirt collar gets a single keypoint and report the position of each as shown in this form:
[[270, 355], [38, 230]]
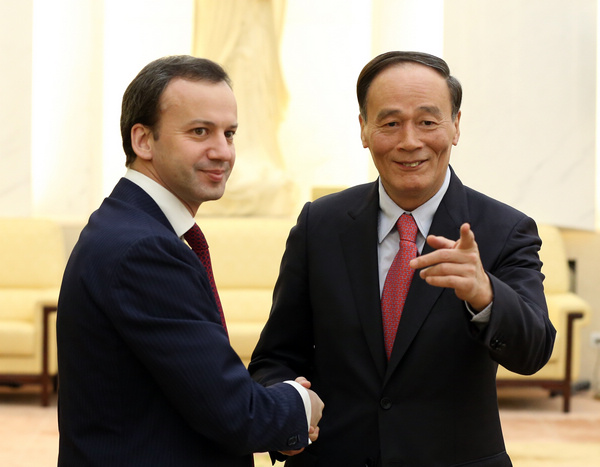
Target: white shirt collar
[[176, 213], [389, 211]]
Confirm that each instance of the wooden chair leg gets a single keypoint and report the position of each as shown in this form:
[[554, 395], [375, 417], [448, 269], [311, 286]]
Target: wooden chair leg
[[571, 317], [45, 379], [564, 385], [567, 398]]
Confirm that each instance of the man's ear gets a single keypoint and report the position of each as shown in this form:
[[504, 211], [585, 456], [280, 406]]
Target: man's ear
[[141, 137], [362, 131], [456, 129]]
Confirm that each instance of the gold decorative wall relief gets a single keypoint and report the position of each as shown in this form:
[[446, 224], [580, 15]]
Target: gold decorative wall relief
[[244, 37]]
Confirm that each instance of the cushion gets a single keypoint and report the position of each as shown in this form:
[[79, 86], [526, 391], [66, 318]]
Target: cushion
[[26, 242]]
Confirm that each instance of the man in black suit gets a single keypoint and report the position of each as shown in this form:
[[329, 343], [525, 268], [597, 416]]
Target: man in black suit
[[425, 394], [147, 375]]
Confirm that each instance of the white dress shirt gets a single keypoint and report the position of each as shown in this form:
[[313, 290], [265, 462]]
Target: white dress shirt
[[389, 239]]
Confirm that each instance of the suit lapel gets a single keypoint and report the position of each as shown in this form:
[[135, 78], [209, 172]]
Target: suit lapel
[[421, 298], [359, 243]]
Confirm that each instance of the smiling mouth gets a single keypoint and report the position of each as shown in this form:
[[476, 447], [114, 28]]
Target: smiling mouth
[[411, 164], [215, 175]]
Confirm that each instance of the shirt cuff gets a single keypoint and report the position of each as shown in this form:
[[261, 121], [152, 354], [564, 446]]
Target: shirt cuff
[[482, 317], [305, 399]]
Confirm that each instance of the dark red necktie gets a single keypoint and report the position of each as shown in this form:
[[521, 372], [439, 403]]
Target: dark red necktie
[[398, 279], [197, 241]]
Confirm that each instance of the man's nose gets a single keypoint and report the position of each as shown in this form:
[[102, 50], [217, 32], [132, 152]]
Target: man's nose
[[409, 138], [221, 148]]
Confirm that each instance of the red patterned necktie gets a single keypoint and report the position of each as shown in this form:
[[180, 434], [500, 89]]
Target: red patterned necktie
[[197, 241], [397, 281]]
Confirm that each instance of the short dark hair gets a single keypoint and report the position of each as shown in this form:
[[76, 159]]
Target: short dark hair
[[388, 59], [142, 96]]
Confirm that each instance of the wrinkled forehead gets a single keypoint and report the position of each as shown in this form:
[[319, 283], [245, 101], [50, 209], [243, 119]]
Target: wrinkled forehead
[[411, 84]]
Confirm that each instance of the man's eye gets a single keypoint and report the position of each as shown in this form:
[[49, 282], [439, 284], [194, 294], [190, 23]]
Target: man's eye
[[428, 123], [200, 131], [229, 134], [391, 124]]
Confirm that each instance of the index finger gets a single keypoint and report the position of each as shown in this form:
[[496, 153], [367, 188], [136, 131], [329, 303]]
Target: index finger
[[467, 237]]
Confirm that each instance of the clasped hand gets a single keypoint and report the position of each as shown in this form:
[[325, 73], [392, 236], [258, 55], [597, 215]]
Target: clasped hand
[[316, 414], [457, 265]]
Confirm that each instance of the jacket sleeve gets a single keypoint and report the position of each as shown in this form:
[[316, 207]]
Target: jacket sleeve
[[519, 336], [161, 304]]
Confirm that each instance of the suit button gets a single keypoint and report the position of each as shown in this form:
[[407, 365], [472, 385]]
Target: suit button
[[497, 345], [292, 440], [386, 403]]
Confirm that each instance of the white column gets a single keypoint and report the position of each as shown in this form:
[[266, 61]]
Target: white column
[[410, 25], [66, 126], [15, 102], [325, 44], [85, 53], [135, 33]]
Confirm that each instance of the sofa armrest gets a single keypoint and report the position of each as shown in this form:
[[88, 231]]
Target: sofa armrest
[[568, 314]]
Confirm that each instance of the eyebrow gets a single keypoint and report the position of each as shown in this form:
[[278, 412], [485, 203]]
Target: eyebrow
[[199, 121], [430, 109], [384, 113]]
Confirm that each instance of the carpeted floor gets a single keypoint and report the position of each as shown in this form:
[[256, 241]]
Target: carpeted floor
[[537, 433]]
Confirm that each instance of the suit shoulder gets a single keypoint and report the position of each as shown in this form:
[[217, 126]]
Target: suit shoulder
[[482, 205], [116, 227], [353, 198], [354, 192], [338, 208], [497, 224]]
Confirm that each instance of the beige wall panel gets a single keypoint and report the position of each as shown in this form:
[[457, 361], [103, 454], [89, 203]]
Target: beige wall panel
[[528, 70]]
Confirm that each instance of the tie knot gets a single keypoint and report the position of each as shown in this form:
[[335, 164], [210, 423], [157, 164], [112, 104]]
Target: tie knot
[[407, 228], [195, 238]]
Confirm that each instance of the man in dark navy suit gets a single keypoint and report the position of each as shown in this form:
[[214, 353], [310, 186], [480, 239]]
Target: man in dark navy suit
[[147, 375], [420, 392]]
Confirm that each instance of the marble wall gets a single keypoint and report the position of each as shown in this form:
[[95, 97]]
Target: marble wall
[[528, 124]]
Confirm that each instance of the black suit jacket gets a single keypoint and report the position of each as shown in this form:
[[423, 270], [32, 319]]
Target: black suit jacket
[[147, 375], [434, 403]]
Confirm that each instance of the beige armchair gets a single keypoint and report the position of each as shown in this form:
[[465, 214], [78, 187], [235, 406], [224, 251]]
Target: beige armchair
[[568, 312], [32, 260], [245, 254]]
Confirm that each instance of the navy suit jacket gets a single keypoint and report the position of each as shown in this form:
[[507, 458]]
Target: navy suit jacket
[[147, 375], [434, 403]]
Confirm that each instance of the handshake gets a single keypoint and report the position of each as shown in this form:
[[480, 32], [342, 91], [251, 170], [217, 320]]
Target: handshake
[[316, 405]]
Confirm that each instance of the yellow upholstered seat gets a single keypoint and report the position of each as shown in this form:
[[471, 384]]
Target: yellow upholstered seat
[[245, 254], [568, 314], [32, 259]]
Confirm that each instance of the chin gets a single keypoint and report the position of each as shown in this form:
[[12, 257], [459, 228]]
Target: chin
[[214, 195]]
